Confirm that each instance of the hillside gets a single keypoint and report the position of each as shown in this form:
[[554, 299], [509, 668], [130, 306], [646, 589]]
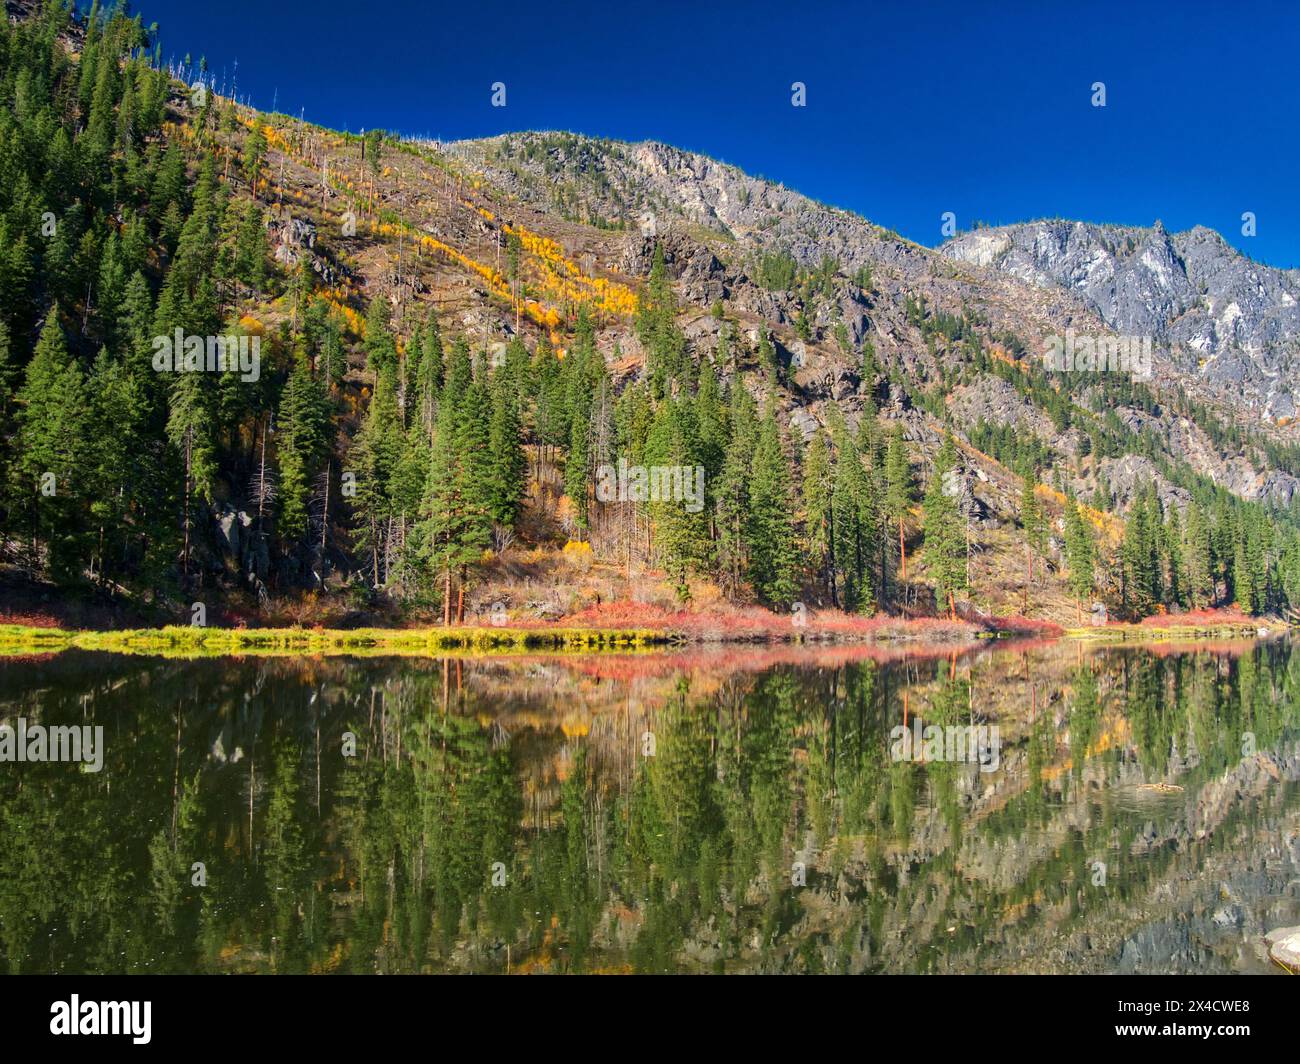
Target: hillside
[[456, 338]]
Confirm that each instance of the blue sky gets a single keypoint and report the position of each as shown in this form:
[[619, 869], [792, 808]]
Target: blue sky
[[913, 109]]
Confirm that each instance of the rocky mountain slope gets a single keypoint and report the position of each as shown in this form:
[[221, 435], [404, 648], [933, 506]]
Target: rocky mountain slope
[[436, 221], [350, 256], [1231, 325], [1226, 330]]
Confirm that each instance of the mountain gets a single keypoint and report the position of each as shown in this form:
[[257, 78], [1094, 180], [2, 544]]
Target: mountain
[[1230, 324], [1031, 281], [457, 337]]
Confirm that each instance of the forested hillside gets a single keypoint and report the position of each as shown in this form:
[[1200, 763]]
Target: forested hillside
[[448, 348]]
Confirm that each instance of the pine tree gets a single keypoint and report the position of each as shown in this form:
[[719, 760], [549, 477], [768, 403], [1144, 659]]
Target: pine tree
[[407, 484], [459, 375], [1031, 519], [136, 330], [376, 452], [898, 491], [767, 359], [301, 443], [331, 357], [1289, 571], [190, 430], [854, 522], [577, 464], [681, 530], [1243, 580], [445, 525], [666, 359], [251, 248], [945, 541], [1175, 566], [770, 527], [1251, 570], [733, 492], [509, 464], [1140, 555], [817, 483], [711, 417], [51, 486], [1198, 561], [253, 155], [1080, 554], [381, 349], [118, 484], [472, 441], [455, 518], [9, 375], [550, 415], [431, 369]]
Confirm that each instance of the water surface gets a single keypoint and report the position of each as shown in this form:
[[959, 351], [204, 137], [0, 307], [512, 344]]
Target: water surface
[[734, 811]]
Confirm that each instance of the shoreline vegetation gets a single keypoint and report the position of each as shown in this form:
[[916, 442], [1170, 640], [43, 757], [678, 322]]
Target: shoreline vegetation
[[1194, 625], [675, 631]]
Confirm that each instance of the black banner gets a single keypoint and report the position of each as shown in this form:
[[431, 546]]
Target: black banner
[[935, 1012]]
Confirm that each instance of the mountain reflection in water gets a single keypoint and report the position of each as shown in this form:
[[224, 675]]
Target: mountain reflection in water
[[729, 811]]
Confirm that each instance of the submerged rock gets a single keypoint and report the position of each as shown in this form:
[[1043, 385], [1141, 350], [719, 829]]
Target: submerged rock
[[1284, 946]]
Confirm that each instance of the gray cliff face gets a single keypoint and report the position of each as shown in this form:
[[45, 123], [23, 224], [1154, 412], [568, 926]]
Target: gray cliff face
[[1229, 321]]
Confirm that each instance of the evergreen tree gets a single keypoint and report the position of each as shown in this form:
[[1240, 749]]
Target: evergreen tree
[[945, 541], [254, 154], [1198, 561], [550, 413], [1172, 549], [817, 483], [711, 417], [381, 349], [1080, 554], [898, 490], [681, 530], [455, 523], [1031, 518], [1140, 556], [50, 486], [767, 359], [770, 526], [734, 491], [301, 442], [376, 452], [854, 523], [509, 464], [657, 326]]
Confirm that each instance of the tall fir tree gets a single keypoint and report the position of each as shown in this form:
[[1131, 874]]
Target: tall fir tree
[[855, 522], [1080, 554], [509, 463], [733, 493], [1197, 558], [817, 484], [945, 540], [1031, 519], [49, 488], [898, 491], [770, 529]]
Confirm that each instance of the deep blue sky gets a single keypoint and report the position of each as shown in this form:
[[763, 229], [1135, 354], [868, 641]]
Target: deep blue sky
[[914, 108]]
